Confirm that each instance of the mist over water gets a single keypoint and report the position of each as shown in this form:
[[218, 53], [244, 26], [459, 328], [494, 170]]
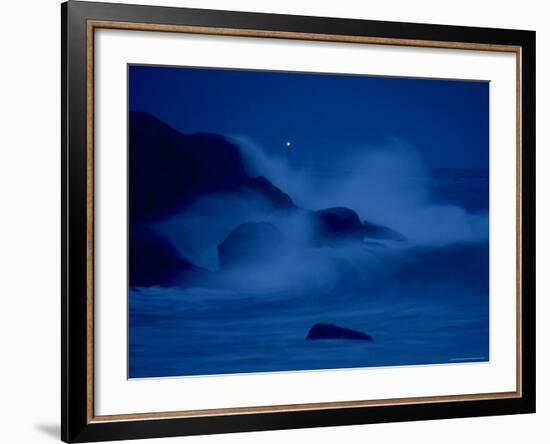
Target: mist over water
[[389, 185]]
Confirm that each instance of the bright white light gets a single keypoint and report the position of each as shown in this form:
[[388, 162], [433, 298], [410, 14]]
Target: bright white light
[[288, 143]]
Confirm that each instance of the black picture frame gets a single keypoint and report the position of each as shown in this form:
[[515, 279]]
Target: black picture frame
[[76, 423]]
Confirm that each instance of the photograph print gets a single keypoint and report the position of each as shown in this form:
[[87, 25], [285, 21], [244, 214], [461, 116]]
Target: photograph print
[[295, 221]]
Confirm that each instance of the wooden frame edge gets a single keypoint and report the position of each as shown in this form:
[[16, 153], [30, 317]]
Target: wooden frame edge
[[301, 407], [336, 38], [90, 208]]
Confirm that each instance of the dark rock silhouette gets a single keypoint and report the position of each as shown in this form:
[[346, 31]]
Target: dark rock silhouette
[[167, 169], [339, 222], [330, 331], [154, 261], [380, 232], [270, 192], [251, 243]]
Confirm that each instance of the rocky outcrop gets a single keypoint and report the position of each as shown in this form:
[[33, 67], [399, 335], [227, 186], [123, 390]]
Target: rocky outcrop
[[168, 169], [338, 222], [331, 331]]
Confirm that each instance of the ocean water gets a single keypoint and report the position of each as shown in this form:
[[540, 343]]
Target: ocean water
[[425, 301]]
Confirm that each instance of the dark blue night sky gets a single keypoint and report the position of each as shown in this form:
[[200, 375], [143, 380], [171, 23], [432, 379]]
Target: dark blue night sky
[[322, 115]]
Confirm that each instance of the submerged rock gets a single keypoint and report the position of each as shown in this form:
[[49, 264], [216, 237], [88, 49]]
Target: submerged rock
[[331, 331], [251, 243]]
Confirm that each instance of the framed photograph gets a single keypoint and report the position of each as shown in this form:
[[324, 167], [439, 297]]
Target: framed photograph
[[275, 221]]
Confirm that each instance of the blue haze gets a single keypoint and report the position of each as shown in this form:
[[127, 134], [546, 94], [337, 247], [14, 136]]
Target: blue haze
[[411, 155]]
